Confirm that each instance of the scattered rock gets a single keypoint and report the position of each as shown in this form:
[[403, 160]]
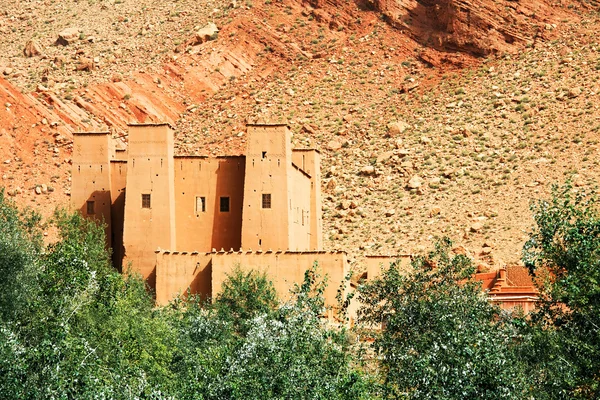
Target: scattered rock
[[483, 267], [574, 92], [486, 250], [344, 204], [38, 190], [368, 170], [85, 64], [334, 145], [67, 36], [390, 212], [209, 32], [397, 128], [460, 250], [384, 156], [59, 61], [32, 49], [476, 227], [407, 165], [331, 184], [435, 211], [415, 182]]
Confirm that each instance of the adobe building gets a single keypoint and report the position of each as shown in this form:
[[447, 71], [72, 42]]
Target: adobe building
[[185, 221]]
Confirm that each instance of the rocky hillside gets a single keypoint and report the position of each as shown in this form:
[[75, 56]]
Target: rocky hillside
[[440, 117]]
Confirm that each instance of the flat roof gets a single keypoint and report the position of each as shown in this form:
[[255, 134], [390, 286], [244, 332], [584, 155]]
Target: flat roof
[[91, 133], [388, 255], [151, 124], [317, 150], [204, 157]]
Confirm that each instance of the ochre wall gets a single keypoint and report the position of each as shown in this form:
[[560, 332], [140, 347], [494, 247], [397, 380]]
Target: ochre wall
[[309, 160], [268, 168], [284, 269], [177, 272], [91, 177], [300, 211], [204, 273], [149, 171], [211, 178]]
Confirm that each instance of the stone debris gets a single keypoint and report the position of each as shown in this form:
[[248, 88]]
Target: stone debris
[[397, 128], [32, 49], [368, 170], [67, 37], [415, 182], [209, 32], [85, 64]]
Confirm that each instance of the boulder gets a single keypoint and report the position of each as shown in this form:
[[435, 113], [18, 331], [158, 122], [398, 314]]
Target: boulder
[[67, 36], [397, 128], [334, 145], [415, 182], [476, 227], [368, 170], [32, 49], [209, 32], [85, 64]]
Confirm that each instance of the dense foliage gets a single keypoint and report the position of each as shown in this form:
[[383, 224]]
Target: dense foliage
[[72, 327], [442, 339], [563, 252]]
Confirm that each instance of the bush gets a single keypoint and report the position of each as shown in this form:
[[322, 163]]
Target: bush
[[564, 253], [441, 338]]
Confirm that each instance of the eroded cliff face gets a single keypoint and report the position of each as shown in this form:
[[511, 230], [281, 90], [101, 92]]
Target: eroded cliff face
[[478, 27]]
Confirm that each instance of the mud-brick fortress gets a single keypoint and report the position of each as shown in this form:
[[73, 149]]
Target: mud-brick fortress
[[183, 222]]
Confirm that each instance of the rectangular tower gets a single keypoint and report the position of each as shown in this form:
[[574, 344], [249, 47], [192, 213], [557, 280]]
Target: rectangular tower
[[309, 160], [267, 193], [149, 197], [91, 177]]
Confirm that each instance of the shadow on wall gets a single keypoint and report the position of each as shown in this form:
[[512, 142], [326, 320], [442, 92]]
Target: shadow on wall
[[98, 207], [202, 282], [227, 223], [118, 218]]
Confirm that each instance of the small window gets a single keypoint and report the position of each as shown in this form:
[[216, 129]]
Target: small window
[[91, 207], [200, 204], [264, 154], [266, 200], [145, 201], [224, 204]]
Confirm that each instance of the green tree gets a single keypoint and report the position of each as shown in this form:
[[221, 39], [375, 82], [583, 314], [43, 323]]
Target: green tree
[[563, 253], [441, 338], [20, 249], [292, 353], [245, 294], [71, 326]]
